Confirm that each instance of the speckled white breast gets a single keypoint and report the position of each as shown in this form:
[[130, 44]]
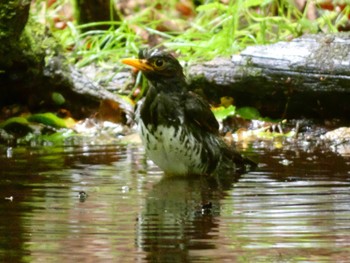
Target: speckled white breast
[[175, 152]]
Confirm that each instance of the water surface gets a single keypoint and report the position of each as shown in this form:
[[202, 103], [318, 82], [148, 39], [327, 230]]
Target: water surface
[[294, 208]]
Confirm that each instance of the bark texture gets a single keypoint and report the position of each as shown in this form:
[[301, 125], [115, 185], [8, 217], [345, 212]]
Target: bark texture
[[307, 77]]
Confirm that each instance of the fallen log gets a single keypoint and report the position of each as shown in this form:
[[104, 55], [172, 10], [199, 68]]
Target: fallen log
[[306, 77]]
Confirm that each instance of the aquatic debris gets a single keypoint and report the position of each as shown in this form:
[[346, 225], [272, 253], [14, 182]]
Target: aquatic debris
[[125, 189], [206, 208], [9, 152], [9, 198], [286, 162], [82, 196]]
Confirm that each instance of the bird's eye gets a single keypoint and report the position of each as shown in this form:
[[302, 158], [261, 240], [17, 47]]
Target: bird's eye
[[159, 63]]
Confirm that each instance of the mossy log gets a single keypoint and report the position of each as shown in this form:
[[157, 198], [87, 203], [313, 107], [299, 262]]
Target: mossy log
[[307, 77], [33, 68]]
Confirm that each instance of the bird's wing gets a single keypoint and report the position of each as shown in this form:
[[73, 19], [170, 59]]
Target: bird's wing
[[197, 110]]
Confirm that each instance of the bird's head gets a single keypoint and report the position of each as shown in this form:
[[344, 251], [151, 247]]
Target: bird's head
[[157, 65]]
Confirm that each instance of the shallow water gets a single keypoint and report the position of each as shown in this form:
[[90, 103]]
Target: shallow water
[[294, 208]]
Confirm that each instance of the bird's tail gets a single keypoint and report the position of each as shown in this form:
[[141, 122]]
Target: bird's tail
[[242, 163]]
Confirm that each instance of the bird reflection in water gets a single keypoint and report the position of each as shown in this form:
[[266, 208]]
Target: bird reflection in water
[[181, 214]]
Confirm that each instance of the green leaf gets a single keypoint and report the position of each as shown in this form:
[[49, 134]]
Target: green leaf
[[58, 98], [250, 3], [48, 119], [221, 112], [17, 125], [18, 120], [248, 113], [212, 6], [57, 137]]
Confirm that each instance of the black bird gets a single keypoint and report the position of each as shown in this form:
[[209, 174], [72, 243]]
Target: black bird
[[177, 127]]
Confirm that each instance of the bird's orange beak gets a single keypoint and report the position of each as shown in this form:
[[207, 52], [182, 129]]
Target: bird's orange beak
[[140, 64]]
